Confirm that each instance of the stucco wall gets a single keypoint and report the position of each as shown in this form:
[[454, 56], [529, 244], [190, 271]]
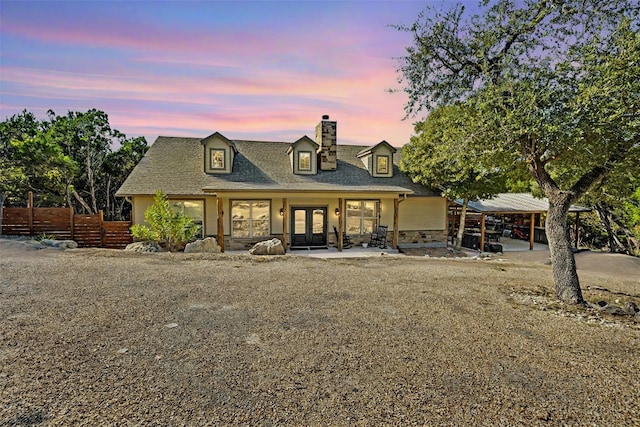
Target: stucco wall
[[423, 213]]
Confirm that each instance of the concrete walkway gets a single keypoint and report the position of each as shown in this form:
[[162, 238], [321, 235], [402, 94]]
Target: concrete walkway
[[332, 252]]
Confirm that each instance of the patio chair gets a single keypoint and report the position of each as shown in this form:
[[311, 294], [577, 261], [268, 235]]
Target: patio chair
[[379, 238], [346, 240]]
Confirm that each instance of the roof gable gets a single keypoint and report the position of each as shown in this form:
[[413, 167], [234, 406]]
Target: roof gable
[[369, 150], [303, 140], [219, 136]]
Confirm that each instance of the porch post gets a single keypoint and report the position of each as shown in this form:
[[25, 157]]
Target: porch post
[[577, 229], [394, 242], [220, 224], [482, 232], [285, 217], [340, 224], [531, 229]]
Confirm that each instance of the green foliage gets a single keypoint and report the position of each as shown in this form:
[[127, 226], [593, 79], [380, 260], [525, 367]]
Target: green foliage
[[168, 227], [555, 86], [66, 160], [447, 153]]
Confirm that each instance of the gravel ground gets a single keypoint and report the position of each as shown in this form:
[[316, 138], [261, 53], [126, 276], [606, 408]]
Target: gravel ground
[[103, 337]]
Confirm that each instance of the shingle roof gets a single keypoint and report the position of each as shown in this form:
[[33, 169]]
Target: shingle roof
[[515, 203], [176, 166]]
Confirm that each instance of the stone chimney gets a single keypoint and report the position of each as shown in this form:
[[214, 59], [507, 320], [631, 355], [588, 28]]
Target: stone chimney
[[326, 138]]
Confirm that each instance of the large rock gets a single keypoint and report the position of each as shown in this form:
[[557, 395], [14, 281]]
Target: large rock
[[59, 244], [268, 247], [207, 245], [143, 247], [631, 308]]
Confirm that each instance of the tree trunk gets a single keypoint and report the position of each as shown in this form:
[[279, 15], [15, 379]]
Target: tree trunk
[[82, 202], [463, 218], [565, 277], [603, 214]]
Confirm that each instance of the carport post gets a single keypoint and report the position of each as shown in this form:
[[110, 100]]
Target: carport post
[[577, 229], [482, 232], [531, 228]]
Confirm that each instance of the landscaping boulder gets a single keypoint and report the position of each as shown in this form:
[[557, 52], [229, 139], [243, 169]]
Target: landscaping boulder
[[59, 244], [268, 247], [207, 245], [614, 310], [631, 308], [143, 247]]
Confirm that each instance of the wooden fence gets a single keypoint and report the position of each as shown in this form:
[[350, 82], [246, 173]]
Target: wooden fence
[[89, 231]]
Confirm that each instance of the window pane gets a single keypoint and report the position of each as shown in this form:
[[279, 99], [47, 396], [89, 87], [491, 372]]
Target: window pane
[[368, 225], [305, 161], [217, 159], [353, 205], [353, 225], [318, 221], [260, 228], [240, 228], [260, 210], [382, 164], [193, 209], [300, 224], [176, 206], [369, 209], [240, 210]]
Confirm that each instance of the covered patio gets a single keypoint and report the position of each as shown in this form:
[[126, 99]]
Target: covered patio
[[516, 215]]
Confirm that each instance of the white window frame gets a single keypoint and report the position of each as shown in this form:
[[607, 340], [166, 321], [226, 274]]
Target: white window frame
[[300, 153], [250, 219], [361, 216], [386, 160]]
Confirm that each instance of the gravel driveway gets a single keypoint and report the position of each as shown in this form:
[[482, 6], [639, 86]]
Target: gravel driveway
[[104, 337]]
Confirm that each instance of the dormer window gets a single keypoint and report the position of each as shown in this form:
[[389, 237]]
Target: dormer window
[[378, 159], [304, 160], [217, 159], [219, 153], [382, 165]]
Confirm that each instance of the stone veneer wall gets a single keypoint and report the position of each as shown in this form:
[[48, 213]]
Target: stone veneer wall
[[422, 236], [407, 236], [326, 137]]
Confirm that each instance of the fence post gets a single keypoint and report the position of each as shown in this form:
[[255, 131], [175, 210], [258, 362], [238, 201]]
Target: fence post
[[73, 225], [101, 228], [30, 206]]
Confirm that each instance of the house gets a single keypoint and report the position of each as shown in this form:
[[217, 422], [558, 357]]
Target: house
[[242, 192]]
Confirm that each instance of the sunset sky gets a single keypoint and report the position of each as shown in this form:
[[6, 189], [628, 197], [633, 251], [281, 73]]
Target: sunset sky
[[250, 70]]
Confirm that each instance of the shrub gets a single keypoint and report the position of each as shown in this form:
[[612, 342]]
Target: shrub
[[170, 229]]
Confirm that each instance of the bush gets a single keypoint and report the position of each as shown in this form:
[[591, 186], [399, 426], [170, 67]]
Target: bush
[[170, 229]]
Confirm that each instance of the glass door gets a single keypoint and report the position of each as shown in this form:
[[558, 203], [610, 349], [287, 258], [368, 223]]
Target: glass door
[[309, 226]]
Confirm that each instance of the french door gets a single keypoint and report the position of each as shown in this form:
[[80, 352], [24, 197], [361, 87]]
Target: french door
[[309, 226]]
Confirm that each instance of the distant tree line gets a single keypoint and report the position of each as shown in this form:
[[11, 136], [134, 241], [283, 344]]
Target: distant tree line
[[75, 160]]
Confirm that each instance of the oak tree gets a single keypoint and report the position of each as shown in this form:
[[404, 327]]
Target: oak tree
[[557, 85]]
